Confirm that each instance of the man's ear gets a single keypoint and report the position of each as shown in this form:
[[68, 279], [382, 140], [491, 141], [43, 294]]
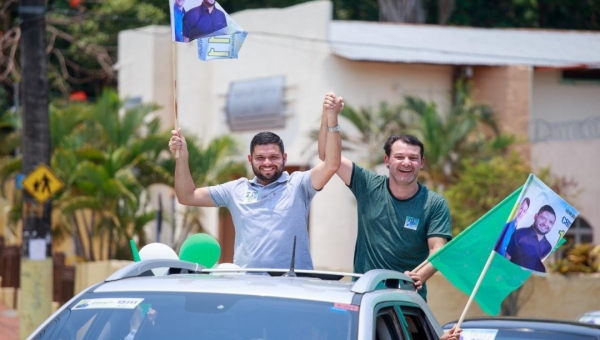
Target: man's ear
[[284, 157], [386, 160], [250, 159], [422, 162]]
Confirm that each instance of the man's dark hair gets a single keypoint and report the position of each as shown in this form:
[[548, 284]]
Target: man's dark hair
[[408, 139], [547, 208], [526, 200], [265, 138]]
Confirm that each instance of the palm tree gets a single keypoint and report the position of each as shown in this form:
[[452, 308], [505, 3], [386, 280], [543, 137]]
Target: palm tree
[[108, 157], [105, 156], [107, 175]]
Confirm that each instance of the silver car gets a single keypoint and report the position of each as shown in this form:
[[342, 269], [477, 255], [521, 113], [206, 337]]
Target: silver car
[[191, 302]]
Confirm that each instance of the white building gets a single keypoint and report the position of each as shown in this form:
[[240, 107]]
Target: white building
[[521, 73]]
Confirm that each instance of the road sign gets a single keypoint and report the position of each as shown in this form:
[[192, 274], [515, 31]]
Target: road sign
[[42, 183]]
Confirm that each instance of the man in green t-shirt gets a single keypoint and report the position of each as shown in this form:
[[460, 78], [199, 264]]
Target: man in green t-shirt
[[400, 221]]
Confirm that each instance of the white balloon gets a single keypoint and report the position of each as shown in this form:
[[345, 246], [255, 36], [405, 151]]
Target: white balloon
[[226, 265], [153, 251]]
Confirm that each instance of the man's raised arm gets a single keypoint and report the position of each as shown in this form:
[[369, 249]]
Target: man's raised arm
[[323, 172], [185, 189], [337, 104]]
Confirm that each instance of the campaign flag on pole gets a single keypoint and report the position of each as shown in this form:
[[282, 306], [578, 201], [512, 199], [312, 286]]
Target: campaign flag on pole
[[217, 35], [539, 220], [462, 260]]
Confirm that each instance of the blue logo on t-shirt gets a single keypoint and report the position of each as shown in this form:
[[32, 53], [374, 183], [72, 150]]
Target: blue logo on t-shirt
[[411, 223]]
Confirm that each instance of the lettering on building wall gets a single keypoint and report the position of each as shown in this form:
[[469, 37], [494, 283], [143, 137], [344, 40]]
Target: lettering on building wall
[[544, 131]]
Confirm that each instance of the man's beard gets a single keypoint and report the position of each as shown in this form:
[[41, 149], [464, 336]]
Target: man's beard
[[538, 230], [269, 179]]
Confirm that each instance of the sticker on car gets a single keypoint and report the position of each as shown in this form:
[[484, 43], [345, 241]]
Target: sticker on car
[[108, 303], [478, 334]]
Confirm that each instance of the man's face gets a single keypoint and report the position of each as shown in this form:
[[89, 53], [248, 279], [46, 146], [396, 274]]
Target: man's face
[[522, 210], [267, 162], [404, 162], [179, 3], [544, 222], [209, 3]]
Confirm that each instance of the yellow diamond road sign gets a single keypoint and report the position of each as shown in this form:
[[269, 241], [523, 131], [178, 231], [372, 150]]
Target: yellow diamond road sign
[[42, 183]]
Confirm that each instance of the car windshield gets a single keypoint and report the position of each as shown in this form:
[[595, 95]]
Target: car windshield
[[163, 315], [515, 334]]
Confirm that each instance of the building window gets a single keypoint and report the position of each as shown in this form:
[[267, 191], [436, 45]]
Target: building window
[[580, 232], [580, 75]]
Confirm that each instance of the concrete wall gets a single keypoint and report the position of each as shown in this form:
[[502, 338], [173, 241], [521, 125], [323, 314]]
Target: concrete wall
[[565, 135], [553, 296]]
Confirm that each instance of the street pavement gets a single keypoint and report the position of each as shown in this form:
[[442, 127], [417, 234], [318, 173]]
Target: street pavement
[[9, 324]]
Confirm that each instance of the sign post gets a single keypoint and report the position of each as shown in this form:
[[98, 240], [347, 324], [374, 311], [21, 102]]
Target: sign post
[[35, 292]]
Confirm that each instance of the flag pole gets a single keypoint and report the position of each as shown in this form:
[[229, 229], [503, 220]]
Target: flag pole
[[174, 68], [475, 289]]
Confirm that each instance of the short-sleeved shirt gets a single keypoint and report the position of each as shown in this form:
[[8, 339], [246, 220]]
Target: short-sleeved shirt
[[393, 233], [526, 250], [266, 219], [198, 22]]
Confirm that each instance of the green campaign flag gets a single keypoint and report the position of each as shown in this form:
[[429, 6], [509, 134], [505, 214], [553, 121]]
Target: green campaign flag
[[462, 260]]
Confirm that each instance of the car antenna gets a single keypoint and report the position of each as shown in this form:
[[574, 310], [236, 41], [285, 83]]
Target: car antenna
[[291, 272]]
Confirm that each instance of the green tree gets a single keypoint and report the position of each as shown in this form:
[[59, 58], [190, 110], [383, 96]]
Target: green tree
[[98, 150], [82, 40], [557, 14]]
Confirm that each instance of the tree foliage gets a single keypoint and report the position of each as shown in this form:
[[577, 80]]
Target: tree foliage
[[81, 41], [107, 157]]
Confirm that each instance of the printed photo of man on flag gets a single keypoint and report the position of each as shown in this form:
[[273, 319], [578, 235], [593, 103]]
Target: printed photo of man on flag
[[194, 19], [540, 220], [510, 227], [217, 35]]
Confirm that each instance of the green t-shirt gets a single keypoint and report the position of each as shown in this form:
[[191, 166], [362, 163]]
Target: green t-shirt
[[393, 233]]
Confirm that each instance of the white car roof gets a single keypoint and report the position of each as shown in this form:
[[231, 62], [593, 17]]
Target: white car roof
[[245, 284]]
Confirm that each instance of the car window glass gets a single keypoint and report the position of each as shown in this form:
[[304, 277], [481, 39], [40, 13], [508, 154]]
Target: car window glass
[[417, 323], [387, 325], [49, 332], [209, 316]]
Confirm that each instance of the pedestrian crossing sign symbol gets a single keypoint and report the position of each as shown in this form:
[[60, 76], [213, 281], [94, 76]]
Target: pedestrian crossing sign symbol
[[42, 183]]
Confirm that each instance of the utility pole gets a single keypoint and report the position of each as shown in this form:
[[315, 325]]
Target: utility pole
[[35, 303]]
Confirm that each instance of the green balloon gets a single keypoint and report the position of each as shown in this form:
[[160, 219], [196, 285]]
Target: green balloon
[[202, 249]]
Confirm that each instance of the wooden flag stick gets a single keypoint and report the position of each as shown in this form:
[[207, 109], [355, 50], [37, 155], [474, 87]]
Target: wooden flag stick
[[174, 68], [475, 289]]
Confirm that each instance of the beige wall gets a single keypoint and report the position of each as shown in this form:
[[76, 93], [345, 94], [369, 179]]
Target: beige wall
[[570, 154], [144, 68], [553, 296]]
